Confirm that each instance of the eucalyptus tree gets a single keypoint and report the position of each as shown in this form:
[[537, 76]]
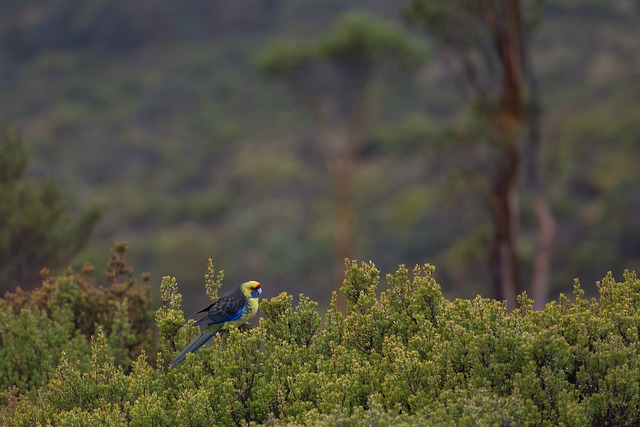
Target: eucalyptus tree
[[486, 44], [335, 77]]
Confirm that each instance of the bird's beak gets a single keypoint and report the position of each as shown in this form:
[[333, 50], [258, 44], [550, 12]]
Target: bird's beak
[[259, 291]]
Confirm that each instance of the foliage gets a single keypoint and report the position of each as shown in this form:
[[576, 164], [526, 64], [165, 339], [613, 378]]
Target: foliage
[[35, 228], [343, 62], [406, 356], [63, 313]]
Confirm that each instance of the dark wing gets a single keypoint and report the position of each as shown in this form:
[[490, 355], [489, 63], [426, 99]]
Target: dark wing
[[207, 308], [204, 310], [228, 307]]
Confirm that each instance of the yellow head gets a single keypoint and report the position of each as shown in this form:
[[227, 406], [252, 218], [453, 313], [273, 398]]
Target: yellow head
[[251, 289]]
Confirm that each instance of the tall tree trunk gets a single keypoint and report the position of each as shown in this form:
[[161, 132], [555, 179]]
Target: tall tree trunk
[[507, 125], [516, 113], [342, 168], [344, 223], [344, 208], [340, 163], [504, 205]]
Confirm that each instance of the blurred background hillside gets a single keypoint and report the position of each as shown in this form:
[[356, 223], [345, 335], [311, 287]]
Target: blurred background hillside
[[158, 113]]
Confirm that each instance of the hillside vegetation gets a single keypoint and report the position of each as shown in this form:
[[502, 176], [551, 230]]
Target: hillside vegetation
[[158, 114]]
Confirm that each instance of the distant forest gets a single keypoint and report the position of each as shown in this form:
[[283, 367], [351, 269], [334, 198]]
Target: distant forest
[[207, 129]]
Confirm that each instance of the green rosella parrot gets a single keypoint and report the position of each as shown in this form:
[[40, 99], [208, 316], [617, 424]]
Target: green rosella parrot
[[235, 308]]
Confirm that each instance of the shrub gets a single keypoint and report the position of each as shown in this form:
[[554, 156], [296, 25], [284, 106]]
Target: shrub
[[403, 356], [62, 315]]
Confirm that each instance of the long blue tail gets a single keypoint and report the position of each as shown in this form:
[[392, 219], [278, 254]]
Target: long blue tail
[[197, 342]]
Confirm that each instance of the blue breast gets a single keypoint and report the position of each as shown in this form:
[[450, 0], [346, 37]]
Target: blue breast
[[234, 316]]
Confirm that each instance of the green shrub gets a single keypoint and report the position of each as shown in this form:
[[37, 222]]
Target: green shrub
[[64, 313], [403, 356]]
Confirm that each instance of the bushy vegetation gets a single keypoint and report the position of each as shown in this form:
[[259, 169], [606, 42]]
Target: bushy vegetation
[[403, 356], [64, 313]]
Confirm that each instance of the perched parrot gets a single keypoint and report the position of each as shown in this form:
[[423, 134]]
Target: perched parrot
[[235, 308]]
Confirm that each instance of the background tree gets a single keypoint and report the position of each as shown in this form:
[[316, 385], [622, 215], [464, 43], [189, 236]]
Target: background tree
[[35, 228], [486, 44], [335, 78]]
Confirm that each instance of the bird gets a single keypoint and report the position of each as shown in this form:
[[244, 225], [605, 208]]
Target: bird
[[234, 308]]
